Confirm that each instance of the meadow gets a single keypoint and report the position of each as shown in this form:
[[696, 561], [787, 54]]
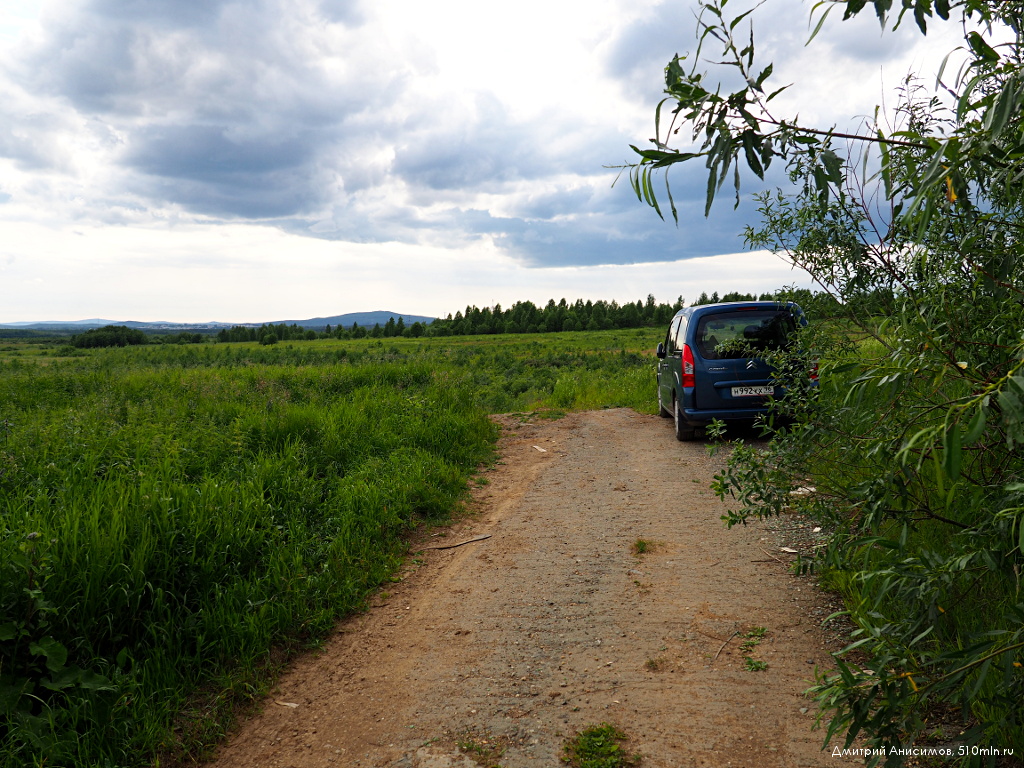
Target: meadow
[[177, 520]]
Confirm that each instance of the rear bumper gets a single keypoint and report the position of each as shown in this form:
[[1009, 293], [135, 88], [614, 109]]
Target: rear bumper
[[701, 418]]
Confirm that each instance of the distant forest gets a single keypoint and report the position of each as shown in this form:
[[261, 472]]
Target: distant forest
[[527, 317], [521, 317]]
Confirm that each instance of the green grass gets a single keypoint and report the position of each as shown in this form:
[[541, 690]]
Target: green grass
[[175, 521], [188, 521], [599, 746], [482, 748], [753, 638], [642, 547]]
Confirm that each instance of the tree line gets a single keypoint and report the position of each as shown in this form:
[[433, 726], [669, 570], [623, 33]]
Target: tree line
[[521, 317], [527, 317], [123, 336]]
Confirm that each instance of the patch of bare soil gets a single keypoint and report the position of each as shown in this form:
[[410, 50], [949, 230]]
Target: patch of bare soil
[[608, 591]]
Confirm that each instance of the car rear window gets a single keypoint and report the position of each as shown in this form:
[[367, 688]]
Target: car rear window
[[734, 333]]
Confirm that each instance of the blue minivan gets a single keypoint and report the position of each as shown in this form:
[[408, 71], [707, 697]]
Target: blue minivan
[[705, 370]]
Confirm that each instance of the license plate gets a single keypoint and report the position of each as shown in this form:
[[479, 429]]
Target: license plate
[[752, 391]]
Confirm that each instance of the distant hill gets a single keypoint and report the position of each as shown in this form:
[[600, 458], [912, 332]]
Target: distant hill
[[77, 326], [363, 318]]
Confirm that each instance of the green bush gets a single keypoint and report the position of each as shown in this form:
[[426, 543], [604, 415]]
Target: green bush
[[109, 336], [912, 442]]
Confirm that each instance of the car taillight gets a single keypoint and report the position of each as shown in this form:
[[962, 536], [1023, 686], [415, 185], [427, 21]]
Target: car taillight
[[688, 377]]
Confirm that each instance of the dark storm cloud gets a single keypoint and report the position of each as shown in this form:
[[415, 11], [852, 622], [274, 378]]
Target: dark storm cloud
[[641, 50], [637, 58], [180, 13], [261, 110], [281, 193], [611, 226], [475, 153], [117, 57], [554, 203], [639, 54], [203, 168], [478, 145], [627, 237], [458, 167], [206, 153], [220, 107], [570, 213]]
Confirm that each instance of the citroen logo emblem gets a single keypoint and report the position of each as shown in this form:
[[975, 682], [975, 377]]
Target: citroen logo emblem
[[751, 364]]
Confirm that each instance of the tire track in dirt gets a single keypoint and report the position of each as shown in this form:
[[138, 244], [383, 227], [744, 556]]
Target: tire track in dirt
[[554, 624]]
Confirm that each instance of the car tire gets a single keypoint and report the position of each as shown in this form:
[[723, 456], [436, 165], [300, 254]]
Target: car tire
[[664, 412], [684, 431]]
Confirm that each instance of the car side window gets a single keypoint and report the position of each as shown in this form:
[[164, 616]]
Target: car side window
[[670, 337], [680, 335]]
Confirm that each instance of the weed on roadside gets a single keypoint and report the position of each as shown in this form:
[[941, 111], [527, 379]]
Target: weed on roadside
[[482, 748], [754, 665], [642, 547], [753, 639], [599, 746]]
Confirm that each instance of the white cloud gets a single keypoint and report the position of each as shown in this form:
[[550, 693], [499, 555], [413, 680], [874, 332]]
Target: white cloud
[[239, 155], [247, 273]]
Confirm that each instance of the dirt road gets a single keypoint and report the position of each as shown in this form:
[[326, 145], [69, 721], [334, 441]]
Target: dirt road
[[510, 644]]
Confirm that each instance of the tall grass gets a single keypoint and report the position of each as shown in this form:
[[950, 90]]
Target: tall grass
[[162, 525], [174, 520]]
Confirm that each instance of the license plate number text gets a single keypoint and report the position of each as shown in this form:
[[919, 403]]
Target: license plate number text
[[752, 391]]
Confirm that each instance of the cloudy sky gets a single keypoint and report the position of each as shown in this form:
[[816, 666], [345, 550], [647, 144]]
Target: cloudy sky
[[249, 160]]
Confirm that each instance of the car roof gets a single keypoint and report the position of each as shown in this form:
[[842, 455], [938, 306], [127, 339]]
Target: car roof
[[702, 308]]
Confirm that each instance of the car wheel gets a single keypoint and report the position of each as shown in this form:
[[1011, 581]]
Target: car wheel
[[683, 430], [664, 412]]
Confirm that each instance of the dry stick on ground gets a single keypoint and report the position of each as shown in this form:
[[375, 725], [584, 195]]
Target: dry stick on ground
[[773, 557], [723, 645], [467, 541]]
